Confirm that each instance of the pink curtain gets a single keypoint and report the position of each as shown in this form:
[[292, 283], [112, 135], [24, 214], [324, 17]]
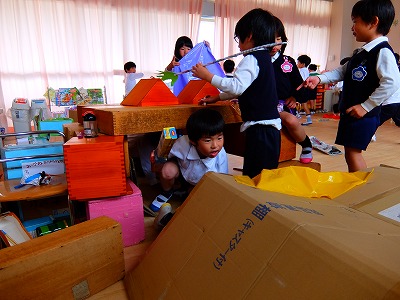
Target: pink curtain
[[307, 24], [85, 43]]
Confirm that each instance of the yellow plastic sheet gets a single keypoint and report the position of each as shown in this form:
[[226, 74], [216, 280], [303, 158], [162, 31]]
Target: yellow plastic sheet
[[305, 182]]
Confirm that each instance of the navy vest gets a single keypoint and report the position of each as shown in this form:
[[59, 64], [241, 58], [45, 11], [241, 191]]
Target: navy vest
[[259, 101], [288, 78], [360, 79]]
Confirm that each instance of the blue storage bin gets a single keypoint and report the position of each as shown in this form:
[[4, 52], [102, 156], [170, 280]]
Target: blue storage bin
[[54, 124]]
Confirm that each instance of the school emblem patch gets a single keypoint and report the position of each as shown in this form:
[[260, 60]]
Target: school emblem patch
[[286, 67], [359, 73]]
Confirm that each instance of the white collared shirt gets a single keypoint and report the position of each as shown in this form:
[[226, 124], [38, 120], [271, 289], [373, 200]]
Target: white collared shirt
[[191, 166], [245, 73], [388, 73]]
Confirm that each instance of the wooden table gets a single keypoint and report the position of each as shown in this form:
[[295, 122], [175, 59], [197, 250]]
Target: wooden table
[[57, 187], [126, 120]]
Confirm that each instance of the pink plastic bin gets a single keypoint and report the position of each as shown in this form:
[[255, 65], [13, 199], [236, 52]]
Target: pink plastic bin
[[127, 210]]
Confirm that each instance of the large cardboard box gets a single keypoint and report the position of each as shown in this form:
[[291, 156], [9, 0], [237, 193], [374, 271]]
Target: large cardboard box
[[230, 241]]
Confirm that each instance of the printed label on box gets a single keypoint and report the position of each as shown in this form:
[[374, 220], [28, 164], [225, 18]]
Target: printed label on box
[[51, 167]]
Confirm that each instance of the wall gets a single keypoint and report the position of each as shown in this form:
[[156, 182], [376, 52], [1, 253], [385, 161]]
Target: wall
[[342, 42]]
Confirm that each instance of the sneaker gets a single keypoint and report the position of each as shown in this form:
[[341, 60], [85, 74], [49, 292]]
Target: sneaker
[[306, 123], [306, 155], [160, 200], [165, 214], [373, 139], [298, 116]]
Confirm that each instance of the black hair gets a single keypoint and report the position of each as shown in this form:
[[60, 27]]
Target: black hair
[[280, 32], [367, 10], [304, 59], [345, 60], [129, 65], [312, 67], [180, 42], [204, 122], [229, 66], [258, 23]]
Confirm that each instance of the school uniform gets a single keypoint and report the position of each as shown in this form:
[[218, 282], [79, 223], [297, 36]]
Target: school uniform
[[288, 79], [254, 86], [191, 166], [369, 78]]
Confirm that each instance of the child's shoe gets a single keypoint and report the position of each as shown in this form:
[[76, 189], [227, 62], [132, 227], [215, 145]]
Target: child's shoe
[[306, 155], [160, 200], [308, 121], [165, 214]]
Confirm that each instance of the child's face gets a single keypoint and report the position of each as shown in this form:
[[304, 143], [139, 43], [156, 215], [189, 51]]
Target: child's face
[[362, 31], [246, 44], [276, 49], [210, 146], [300, 65], [131, 70], [184, 50]]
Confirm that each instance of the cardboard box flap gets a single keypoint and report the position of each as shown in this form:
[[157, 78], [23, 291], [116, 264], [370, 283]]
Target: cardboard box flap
[[227, 238], [384, 180], [386, 208]]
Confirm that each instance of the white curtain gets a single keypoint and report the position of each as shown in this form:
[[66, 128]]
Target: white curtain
[[307, 24], [85, 43]]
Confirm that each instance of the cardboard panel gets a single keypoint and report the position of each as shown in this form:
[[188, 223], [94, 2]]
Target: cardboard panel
[[232, 241], [72, 263]]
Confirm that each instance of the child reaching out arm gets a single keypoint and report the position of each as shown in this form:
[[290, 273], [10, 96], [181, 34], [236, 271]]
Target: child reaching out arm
[[370, 77]]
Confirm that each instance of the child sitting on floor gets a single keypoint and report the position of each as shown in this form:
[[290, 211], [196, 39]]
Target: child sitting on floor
[[193, 155]]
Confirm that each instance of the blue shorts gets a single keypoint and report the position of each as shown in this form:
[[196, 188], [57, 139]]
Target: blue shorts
[[356, 133]]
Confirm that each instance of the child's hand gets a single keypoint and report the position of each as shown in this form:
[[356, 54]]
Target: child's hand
[[208, 100], [207, 44], [172, 64], [311, 82], [356, 111], [201, 72]]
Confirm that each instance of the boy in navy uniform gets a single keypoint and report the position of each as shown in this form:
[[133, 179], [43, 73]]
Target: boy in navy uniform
[[370, 77], [288, 78], [253, 84]]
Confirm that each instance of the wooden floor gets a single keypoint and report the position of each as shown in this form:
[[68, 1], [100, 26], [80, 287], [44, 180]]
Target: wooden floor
[[386, 150]]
